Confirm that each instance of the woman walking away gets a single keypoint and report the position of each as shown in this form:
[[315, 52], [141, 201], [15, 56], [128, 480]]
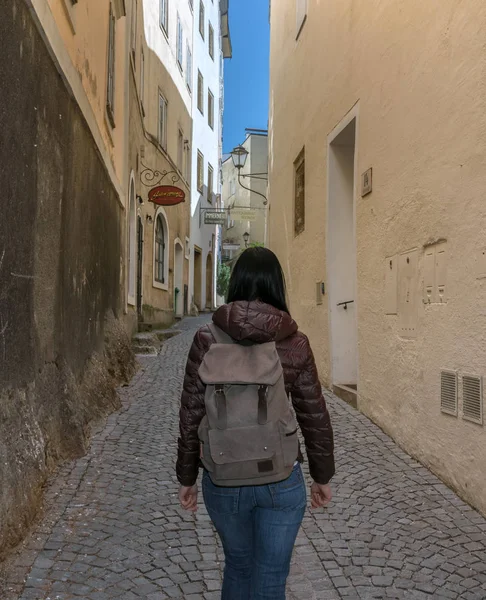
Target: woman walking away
[[237, 422]]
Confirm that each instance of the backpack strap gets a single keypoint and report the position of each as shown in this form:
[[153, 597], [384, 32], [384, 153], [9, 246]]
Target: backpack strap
[[220, 336], [262, 405]]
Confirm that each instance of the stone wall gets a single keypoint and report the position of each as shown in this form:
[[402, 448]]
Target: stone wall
[[62, 347]]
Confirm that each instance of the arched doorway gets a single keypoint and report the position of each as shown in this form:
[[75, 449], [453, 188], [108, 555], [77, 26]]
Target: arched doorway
[[209, 282], [132, 243], [197, 277], [178, 279]]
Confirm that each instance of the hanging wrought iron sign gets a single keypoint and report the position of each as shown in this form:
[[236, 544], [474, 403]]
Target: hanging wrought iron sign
[[163, 195], [166, 195]]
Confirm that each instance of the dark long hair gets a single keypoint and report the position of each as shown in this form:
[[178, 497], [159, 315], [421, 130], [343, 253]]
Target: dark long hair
[[257, 275]]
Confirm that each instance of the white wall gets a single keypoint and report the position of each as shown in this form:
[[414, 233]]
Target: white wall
[[166, 47], [205, 139]]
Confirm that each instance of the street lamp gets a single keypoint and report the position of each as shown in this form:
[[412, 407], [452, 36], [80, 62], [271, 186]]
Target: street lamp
[[246, 237], [239, 156]]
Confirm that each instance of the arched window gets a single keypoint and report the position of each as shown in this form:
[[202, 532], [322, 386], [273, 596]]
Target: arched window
[[160, 250]]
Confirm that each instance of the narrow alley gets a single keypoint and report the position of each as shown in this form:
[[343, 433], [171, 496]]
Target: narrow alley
[[113, 527]]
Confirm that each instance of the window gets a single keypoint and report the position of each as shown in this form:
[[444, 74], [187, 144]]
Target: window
[[180, 36], [110, 85], [211, 41], [142, 77], [210, 109], [299, 193], [180, 150], [200, 172], [188, 68], [201, 18], [134, 27], [162, 121], [164, 16], [187, 161], [210, 183], [200, 92], [300, 15], [160, 250]]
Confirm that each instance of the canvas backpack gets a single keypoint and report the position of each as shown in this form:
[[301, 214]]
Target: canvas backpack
[[249, 433]]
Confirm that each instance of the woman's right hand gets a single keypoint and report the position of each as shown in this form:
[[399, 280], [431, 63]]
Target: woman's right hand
[[321, 495]]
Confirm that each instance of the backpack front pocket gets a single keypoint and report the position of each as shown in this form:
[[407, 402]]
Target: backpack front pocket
[[290, 442]]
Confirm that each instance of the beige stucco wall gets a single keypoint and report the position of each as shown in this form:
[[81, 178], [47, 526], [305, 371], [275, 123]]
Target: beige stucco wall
[[84, 31], [415, 74]]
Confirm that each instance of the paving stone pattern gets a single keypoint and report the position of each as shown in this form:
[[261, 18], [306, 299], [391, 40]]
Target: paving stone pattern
[[114, 528]]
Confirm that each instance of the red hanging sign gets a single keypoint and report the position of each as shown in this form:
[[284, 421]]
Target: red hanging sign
[[166, 195]]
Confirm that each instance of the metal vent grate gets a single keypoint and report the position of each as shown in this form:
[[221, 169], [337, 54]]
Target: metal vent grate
[[448, 392], [472, 395]]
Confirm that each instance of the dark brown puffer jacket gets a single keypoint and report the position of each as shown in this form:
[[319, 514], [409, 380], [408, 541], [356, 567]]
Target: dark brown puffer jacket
[[259, 323]]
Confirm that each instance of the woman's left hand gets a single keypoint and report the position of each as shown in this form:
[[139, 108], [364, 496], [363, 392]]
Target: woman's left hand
[[188, 497]]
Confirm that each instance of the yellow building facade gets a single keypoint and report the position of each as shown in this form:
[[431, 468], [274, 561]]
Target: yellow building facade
[[376, 175], [159, 156]]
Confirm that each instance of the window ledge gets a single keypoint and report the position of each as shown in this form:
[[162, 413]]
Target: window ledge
[[160, 286], [131, 300]]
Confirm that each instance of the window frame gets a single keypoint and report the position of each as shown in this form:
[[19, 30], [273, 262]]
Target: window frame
[[211, 40], [110, 77], [200, 92], [210, 109], [299, 163], [164, 16], [142, 77], [210, 183], [188, 67], [179, 44], [200, 172], [133, 32], [202, 18], [160, 247], [180, 150], [162, 122], [187, 160], [156, 282]]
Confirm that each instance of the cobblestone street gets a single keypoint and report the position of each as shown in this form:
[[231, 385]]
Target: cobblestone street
[[113, 527]]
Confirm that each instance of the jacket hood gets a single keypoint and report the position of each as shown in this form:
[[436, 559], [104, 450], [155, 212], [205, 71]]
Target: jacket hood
[[254, 321]]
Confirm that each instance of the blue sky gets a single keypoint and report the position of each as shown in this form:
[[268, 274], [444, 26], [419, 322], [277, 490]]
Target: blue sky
[[246, 74]]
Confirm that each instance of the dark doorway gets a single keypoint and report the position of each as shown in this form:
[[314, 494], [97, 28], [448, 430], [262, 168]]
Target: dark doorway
[[139, 267]]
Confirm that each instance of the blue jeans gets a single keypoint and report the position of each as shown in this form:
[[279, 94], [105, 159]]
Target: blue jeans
[[258, 526]]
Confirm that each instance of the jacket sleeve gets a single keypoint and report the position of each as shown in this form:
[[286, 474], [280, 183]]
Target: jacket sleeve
[[191, 413], [313, 418]]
